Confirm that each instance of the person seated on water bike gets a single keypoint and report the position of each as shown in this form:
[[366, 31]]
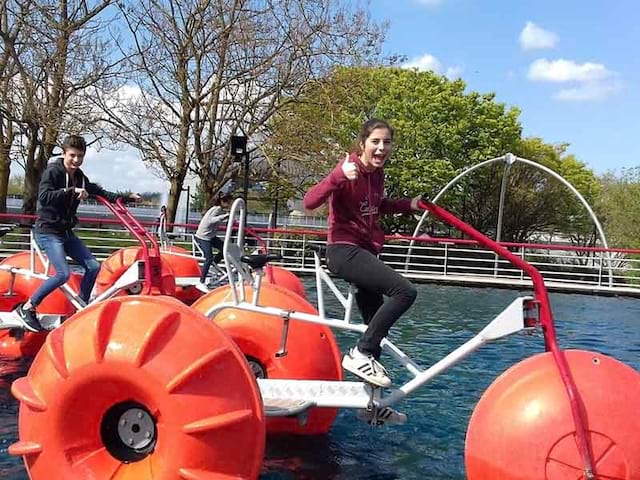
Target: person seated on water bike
[[62, 187], [355, 193]]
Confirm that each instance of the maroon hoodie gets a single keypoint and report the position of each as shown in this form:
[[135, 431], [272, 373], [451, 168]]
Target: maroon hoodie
[[355, 206]]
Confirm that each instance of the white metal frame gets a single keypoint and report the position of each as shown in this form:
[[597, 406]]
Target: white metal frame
[[509, 159], [344, 394], [10, 320]]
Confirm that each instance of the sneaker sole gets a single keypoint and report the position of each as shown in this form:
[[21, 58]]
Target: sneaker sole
[[392, 419]]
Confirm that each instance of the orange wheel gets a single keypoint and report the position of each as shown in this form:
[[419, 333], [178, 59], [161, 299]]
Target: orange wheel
[[312, 351], [285, 278], [118, 263], [522, 427], [139, 387], [183, 265], [17, 343]]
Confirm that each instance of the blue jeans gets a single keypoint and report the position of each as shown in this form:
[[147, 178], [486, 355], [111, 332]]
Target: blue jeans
[[57, 247], [207, 247]]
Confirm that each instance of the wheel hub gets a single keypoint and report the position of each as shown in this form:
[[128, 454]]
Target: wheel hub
[[129, 431]]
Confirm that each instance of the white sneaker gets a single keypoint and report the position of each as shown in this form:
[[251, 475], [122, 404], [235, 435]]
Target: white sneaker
[[366, 367], [383, 416]]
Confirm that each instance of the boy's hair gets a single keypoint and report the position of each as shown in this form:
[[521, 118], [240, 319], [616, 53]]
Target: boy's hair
[[74, 141]]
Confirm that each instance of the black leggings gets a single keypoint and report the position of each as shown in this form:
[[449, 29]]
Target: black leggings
[[373, 279]]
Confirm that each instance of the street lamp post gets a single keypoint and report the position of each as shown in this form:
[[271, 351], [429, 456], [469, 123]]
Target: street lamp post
[[186, 214], [239, 153]]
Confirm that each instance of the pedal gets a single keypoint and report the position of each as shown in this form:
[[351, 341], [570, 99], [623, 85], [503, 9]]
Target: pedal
[[382, 416], [50, 322], [12, 321], [285, 407]]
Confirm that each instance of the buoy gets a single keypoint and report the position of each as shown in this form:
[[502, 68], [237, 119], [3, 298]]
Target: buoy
[[284, 278], [183, 265], [139, 387], [522, 427], [119, 261], [311, 349], [14, 343]]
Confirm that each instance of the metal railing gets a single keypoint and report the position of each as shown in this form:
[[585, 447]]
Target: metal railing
[[564, 268]]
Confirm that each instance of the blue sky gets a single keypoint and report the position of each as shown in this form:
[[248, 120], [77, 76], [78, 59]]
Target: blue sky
[[569, 65]]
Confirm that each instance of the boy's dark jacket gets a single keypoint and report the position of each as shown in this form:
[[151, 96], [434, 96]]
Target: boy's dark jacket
[[57, 200]]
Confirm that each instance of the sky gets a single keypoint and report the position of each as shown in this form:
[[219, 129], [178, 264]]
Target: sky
[[570, 66]]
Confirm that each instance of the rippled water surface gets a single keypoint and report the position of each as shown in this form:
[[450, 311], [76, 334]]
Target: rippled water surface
[[431, 445]]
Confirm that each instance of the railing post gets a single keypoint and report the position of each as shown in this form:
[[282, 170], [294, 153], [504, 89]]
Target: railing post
[[600, 254], [522, 257], [446, 259], [304, 250]]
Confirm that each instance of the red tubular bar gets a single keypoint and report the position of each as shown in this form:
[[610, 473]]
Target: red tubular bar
[[548, 328], [150, 247]]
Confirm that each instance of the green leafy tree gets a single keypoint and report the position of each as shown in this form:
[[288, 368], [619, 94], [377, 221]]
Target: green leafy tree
[[440, 130], [620, 207]]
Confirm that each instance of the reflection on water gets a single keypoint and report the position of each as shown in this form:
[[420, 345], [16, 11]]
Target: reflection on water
[[431, 445]]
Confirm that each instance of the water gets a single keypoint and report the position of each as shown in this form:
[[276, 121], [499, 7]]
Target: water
[[431, 445]]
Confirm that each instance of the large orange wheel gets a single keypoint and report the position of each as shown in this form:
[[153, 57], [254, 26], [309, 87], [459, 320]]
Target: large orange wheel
[[55, 303], [312, 351], [183, 265], [15, 344], [118, 263], [522, 427], [139, 387], [285, 278]]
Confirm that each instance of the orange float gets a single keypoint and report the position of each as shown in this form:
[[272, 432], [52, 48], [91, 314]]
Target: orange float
[[18, 343], [118, 263], [139, 387], [284, 278], [183, 265], [312, 351], [522, 427]]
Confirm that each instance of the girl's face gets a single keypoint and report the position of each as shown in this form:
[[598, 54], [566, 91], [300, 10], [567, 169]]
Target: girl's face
[[376, 149]]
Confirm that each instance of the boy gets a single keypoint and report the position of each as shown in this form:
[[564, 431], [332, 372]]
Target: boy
[[62, 187]]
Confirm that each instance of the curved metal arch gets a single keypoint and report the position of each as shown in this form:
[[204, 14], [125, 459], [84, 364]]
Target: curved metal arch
[[510, 159]]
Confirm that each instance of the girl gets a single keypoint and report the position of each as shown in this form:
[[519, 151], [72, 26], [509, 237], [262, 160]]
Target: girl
[[355, 192], [206, 234]]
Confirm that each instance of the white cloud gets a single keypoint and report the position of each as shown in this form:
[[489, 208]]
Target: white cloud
[[534, 37], [589, 91], [428, 62], [118, 170], [567, 71], [591, 81]]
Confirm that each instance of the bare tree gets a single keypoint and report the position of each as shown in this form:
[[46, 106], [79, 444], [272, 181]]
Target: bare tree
[[209, 69], [57, 52], [11, 26]]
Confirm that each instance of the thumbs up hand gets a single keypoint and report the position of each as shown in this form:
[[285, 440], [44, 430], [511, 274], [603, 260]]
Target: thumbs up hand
[[349, 168]]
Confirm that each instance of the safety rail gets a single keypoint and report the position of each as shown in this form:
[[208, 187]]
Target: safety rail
[[148, 242], [440, 260], [548, 328]]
